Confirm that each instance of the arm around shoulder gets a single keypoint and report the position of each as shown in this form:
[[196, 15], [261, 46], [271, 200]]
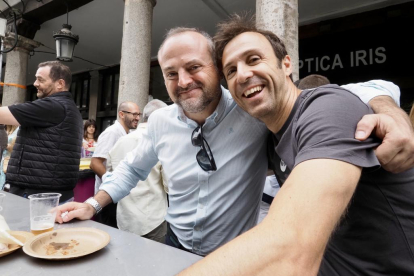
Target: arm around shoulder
[[292, 238], [392, 125]]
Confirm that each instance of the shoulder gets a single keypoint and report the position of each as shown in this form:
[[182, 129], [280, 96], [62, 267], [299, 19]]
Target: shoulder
[[331, 99], [170, 111]]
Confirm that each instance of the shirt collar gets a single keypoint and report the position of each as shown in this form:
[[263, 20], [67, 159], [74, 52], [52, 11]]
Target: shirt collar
[[120, 127]]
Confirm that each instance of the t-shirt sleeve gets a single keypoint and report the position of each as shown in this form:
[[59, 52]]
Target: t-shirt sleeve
[[40, 113], [326, 126], [106, 141]]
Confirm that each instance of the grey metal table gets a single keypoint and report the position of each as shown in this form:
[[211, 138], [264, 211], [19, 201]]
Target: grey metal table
[[126, 254]]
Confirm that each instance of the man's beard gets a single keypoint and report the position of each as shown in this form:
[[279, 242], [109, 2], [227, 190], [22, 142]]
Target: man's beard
[[129, 123], [44, 92], [195, 105]]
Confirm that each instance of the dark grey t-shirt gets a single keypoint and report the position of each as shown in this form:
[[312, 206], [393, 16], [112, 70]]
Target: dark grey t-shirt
[[376, 236]]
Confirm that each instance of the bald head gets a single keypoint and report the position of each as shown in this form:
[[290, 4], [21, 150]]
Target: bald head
[[128, 115], [127, 105], [183, 30]]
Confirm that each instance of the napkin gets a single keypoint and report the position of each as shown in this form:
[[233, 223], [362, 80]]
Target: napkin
[[5, 237]]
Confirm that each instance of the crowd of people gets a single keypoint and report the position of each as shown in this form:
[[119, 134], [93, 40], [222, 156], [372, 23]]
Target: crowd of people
[[337, 160]]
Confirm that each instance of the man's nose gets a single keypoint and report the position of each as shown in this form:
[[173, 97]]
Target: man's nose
[[184, 79], [243, 73]]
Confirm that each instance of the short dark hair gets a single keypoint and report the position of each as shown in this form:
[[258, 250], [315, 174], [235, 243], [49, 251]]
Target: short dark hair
[[58, 71], [238, 24], [90, 122], [312, 81]]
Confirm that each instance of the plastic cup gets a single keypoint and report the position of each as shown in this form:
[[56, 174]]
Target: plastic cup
[[1, 201], [43, 212]]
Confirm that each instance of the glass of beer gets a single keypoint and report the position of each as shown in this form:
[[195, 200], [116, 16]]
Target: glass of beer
[[43, 212]]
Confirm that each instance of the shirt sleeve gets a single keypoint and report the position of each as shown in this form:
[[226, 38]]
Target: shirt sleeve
[[40, 113], [135, 167], [366, 91], [106, 141], [326, 126]]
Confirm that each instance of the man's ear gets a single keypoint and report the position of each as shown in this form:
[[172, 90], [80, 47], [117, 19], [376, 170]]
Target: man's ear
[[60, 85], [287, 65]]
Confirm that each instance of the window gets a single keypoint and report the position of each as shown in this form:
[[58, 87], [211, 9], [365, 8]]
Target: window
[[110, 89], [80, 91]]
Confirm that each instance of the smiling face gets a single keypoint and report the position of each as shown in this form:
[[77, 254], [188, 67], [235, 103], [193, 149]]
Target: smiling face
[[131, 117], [191, 78], [257, 80], [44, 84]]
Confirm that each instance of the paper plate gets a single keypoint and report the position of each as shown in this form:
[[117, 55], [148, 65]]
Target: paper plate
[[21, 236], [67, 243]]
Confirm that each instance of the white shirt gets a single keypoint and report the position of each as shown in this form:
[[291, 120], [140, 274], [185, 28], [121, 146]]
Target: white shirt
[[107, 140], [144, 209], [366, 91], [271, 186]]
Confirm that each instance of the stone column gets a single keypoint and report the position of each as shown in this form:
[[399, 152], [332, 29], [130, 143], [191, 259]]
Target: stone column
[[136, 52], [281, 18], [16, 68]]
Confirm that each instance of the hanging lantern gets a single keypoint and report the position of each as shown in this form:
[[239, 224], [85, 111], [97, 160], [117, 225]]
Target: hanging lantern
[[65, 43]]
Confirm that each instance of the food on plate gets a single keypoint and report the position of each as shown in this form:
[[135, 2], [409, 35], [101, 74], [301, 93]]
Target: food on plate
[[63, 248]]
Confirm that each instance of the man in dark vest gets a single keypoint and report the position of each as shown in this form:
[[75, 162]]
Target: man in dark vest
[[47, 151]]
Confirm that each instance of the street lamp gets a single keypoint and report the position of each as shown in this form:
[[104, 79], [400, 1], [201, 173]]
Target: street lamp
[[65, 43]]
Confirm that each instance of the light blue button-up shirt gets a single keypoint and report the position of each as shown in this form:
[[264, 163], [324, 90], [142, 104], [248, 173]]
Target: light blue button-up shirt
[[207, 209]]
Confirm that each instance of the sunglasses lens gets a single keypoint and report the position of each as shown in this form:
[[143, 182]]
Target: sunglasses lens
[[204, 156], [203, 160]]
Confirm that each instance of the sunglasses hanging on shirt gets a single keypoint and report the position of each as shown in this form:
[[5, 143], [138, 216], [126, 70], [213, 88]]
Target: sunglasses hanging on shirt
[[204, 157]]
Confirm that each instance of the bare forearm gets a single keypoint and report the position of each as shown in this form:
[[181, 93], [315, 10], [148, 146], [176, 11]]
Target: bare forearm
[[256, 252], [291, 240], [97, 166], [6, 117], [386, 105], [103, 198]]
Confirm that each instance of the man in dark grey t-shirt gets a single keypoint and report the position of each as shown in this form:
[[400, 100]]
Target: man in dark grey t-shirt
[[338, 212]]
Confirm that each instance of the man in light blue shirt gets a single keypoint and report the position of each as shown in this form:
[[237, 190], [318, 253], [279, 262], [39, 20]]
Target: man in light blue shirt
[[216, 173]]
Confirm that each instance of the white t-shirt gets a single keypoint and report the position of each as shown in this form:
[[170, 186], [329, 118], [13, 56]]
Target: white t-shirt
[[107, 140]]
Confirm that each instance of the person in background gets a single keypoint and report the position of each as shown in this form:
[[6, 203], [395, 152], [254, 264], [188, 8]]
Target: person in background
[[312, 81], [47, 152], [90, 138], [11, 139], [142, 211], [128, 117]]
